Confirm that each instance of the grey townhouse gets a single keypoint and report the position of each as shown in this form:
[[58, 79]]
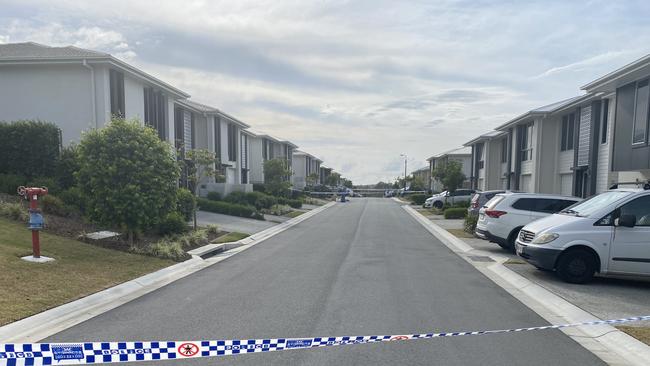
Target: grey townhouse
[[264, 147], [304, 165], [628, 90], [560, 148], [461, 155]]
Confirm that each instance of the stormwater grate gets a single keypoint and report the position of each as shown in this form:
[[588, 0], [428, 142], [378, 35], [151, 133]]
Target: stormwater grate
[[480, 258]]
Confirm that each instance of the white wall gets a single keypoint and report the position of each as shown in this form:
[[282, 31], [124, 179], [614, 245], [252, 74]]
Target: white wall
[[604, 177], [134, 99], [299, 168], [256, 161], [60, 94]]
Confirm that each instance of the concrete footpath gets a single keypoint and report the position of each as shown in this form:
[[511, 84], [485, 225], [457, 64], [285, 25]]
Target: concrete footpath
[[608, 343]]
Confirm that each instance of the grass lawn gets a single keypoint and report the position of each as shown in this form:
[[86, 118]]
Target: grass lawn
[[79, 270], [640, 333], [460, 233], [293, 214], [230, 237]]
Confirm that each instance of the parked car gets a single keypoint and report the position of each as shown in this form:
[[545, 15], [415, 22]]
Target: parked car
[[608, 233], [500, 220], [479, 199], [451, 198]]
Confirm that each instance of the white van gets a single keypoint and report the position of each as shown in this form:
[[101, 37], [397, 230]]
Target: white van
[[608, 233]]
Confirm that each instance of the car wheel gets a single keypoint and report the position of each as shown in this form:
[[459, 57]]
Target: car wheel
[[576, 266], [438, 205], [510, 243]]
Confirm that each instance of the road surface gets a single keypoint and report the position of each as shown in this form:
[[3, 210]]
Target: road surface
[[358, 268]]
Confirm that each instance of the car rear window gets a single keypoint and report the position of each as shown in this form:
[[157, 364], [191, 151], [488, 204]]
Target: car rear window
[[494, 201], [547, 205]]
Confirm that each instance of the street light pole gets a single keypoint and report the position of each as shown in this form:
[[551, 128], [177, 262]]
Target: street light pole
[[405, 162]]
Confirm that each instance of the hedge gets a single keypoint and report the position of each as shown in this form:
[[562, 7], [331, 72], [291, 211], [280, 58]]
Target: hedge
[[29, 148], [455, 213], [227, 208], [418, 199]]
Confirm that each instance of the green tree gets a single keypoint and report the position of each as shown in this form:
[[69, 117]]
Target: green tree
[[383, 185], [312, 179], [416, 183], [67, 165], [199, 165], [128, 176], [347, 183], [450, 175], [333, 179], [275, 177]]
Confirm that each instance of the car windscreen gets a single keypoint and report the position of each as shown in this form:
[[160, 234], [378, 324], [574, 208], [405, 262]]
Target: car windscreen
[[595, 203]]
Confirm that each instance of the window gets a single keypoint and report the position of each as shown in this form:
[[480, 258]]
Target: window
[[640, 208], [479, 156], [232, 142], [155, 111], [179, 128], [504, 150], [568, 131], [603, 130], [525, 204], [265, 147], [641, 112], [116, 84], [217, 137], [526, 142]]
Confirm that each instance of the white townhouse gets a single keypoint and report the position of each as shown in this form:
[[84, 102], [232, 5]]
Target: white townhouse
[[79, 89], [325, 173], [304, 164], [489, 161], [559, 148], [627, 139], [461, 155], [424, 174], [198, 126], [265, 147]]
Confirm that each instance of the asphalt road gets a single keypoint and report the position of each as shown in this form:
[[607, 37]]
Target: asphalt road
[[358, 268]]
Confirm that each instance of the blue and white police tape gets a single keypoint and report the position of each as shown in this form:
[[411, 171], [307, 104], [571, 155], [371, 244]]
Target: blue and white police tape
[[37, 354]]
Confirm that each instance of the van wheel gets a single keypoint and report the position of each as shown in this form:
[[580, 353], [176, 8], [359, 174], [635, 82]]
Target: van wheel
[[510, 243], [576, 266], [437, 204]]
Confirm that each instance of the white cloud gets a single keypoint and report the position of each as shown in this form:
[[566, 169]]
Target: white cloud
[[587, 63]]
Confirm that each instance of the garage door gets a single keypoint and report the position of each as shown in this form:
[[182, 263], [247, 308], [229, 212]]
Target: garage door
[[566, 184], [525, 183]]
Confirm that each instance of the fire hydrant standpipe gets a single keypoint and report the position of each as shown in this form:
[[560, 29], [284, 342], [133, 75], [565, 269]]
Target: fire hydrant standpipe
[[35, 220]]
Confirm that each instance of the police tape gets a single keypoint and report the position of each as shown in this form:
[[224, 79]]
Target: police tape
[[37, 354]]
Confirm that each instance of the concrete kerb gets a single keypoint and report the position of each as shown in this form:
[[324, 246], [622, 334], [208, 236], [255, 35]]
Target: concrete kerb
[[49, 322], [608, 343]]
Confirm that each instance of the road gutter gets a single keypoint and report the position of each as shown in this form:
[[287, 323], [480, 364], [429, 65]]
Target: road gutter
[[605, 341], [55, 320]]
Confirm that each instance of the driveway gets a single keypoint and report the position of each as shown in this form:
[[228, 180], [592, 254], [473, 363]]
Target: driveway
[[233, 223]]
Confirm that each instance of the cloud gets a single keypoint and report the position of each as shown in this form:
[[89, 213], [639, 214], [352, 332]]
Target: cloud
[[585, 64]]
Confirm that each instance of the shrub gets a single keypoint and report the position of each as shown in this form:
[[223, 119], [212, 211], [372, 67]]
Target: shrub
[[14, 211], [278, 210], [167, 248], [54, 205], [418, 199], [257, 199], [173, 223], [294, 203], [226, 208], [258, 187], [455, 213], [464, 204], [185, 203], [73, 197], [470, 223], [212, 229], [214, 196], [9, 183], [67, 166], [29, 148], [128, 176]]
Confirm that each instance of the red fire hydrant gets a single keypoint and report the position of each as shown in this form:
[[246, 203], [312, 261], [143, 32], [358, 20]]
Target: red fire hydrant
[[35, 217]]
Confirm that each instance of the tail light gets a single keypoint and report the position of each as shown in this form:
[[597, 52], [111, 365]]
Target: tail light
[[474, 204], [495, 213]]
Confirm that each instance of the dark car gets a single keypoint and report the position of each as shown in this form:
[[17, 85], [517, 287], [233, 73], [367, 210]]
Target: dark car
[[479, 200]]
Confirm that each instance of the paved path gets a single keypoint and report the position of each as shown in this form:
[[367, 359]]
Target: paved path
[[233, 223], [364, 267]]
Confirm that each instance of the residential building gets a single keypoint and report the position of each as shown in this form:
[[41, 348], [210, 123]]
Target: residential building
[[489, 168], [325, 173], [556, 148], [626, 137], [424, 174], [304, 165], [79, 90], [461, 155], [265, 147], [198, 126]]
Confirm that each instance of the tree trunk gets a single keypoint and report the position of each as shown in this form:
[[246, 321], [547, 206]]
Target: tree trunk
[[195, 208]]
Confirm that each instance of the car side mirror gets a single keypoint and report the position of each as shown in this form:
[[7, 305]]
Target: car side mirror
[[626, 221]]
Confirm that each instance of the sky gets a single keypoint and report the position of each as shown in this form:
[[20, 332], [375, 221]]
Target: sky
[[355, 83]]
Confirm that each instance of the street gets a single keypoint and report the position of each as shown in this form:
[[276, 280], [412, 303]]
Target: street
[[359, 268]]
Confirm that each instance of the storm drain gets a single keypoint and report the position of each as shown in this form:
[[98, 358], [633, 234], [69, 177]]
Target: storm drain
[[480, 258]]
